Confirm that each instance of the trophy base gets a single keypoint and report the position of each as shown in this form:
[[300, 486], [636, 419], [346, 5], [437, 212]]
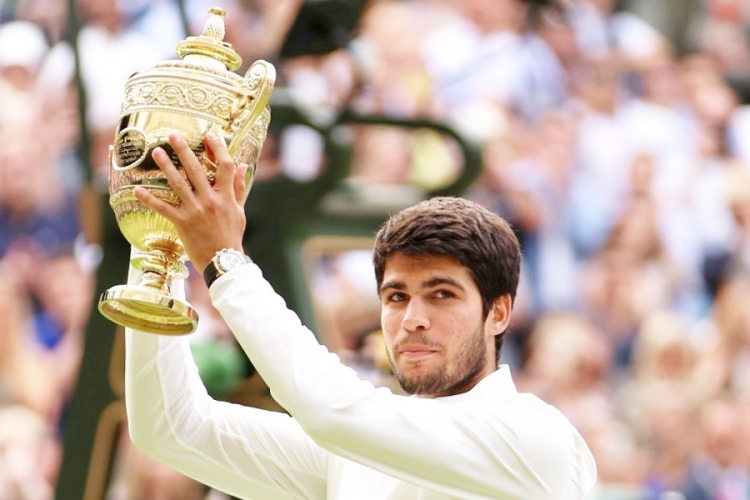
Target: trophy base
[[147, 310]]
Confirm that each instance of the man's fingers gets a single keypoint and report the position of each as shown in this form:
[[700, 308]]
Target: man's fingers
[[240, 188], [177, 182], [225, 166], [161, 207], [190, 163]]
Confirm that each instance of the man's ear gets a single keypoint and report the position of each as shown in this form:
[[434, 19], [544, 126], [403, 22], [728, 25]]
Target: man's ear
[[499, 315]]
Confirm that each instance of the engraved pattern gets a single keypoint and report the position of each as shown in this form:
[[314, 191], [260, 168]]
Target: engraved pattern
[[209, 100], [247, 153], [125, 195], [255, 75], [260, 127]]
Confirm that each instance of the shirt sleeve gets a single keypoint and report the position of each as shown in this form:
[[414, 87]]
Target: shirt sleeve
[[246, 452], [504, 447]]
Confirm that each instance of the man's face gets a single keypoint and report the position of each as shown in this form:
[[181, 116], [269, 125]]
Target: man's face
[[436, 338]]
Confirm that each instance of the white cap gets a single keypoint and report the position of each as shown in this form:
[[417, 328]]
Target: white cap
[[22, 44]]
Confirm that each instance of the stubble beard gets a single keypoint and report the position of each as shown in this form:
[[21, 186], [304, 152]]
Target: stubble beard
[[448, 376]]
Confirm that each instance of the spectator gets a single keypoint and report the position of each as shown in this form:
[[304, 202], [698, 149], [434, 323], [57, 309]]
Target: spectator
[[600, 29], [36, 375], [720, 463], [600, 183], [727, 342], [537, 191], [28, 464], [630, 278], [488, 54], [568, 365], [664, 366]]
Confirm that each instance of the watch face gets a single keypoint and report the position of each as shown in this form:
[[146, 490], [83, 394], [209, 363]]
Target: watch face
[[230, 260]]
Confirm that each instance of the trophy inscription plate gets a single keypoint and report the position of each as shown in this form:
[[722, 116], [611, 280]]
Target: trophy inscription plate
[[130, 148]]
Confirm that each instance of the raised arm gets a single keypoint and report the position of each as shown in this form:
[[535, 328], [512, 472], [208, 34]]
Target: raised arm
[[246, 452]]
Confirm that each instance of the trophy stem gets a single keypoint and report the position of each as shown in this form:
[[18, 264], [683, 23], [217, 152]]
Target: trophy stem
[[159, 267], [149, 305], [154, 279]]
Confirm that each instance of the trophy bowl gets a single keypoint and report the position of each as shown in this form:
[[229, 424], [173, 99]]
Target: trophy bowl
[[195, 94]]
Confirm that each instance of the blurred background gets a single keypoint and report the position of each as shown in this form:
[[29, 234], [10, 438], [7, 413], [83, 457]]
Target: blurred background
[[613, 135]]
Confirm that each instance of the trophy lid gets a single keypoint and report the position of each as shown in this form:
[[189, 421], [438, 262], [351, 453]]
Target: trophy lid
[[211, 43]]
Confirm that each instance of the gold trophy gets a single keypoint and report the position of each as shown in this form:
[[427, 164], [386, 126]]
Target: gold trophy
[[197, 93]]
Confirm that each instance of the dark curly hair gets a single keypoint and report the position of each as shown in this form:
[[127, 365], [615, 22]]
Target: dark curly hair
[[477, 238]]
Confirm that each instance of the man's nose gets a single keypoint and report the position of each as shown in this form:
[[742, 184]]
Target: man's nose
[[416, 317]]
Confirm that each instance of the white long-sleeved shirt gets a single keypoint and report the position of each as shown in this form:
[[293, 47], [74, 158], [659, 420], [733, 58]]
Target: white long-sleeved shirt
[[345, 438]]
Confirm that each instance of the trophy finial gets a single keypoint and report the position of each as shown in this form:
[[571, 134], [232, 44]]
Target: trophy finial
[[214, 26], [211, 43]]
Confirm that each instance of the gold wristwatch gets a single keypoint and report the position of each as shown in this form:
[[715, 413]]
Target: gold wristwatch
[[224, 261]]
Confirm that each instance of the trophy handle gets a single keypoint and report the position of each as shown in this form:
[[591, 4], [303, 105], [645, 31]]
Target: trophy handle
[[260, 79]]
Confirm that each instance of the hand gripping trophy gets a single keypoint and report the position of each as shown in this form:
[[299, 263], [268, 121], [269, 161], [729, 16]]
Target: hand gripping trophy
[[198, 93]]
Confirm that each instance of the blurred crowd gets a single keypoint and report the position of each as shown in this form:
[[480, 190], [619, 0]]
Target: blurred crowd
[[618, 153]]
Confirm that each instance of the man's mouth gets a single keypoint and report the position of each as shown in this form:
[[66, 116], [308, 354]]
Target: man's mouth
[[417, 352]]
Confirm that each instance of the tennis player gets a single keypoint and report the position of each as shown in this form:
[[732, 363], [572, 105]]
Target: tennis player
[[447, 272]]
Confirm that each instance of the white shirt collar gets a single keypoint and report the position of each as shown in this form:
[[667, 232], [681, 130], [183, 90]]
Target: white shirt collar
[[497, 382]]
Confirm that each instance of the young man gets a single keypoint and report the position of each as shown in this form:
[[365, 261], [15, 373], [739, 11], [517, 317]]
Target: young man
[[447, 272]]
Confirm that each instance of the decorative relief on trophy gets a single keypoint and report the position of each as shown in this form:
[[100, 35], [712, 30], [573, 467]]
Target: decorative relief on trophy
[[195, 94]]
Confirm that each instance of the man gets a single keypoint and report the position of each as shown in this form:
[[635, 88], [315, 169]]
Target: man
[[447, 272]]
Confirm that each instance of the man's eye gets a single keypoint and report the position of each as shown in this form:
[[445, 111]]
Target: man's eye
[[396, 297], [444, 294]]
